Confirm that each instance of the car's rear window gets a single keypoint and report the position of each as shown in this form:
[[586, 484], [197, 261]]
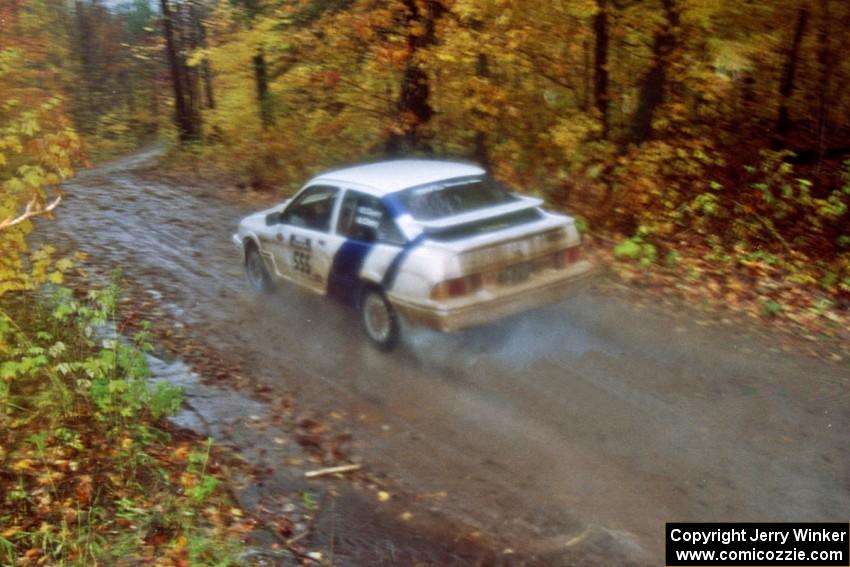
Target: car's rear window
[[453, 197], [484, 226]]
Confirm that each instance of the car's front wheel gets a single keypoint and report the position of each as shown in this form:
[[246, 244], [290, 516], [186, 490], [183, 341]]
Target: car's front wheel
[[255, 270], [379, 319]]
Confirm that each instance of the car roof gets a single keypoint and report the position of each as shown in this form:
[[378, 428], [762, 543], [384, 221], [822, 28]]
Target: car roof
[[385, 177]]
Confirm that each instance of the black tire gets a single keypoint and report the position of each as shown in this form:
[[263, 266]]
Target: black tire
[[379, 319], [255, 270]]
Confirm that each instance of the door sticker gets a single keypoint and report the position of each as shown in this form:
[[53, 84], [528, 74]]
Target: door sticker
[[301, 255]]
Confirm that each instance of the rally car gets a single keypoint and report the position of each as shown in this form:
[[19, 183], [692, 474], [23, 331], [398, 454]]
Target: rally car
[[438, 243]]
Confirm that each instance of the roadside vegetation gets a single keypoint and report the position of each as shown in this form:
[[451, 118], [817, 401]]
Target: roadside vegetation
[[89, 474]]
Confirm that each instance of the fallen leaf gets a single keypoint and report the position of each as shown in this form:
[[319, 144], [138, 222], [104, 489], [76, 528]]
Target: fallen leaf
[[84, 489], [23, 465]]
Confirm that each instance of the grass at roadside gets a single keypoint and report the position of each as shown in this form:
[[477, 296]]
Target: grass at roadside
[[88, 472]]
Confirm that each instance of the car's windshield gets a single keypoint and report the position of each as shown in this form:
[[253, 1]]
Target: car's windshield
[[453, 197]]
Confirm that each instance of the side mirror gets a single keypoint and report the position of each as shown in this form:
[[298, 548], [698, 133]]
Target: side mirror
[[274, 218]]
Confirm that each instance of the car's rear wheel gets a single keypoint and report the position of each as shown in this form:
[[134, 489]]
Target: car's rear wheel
[[255, 270], [379, 319]]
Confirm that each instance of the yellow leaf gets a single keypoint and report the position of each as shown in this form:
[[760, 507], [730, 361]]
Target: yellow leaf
[[10, 532], [23, 465]]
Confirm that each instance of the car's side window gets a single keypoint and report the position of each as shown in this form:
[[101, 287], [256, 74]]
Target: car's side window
[[365, 218], [312, 209]]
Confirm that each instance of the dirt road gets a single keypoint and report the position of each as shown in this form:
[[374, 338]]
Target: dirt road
[[584, 426]]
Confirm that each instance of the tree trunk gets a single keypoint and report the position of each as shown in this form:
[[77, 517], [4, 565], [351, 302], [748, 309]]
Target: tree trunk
[[600, 63], [206, 68], [192, 85], [414, 108], [86, 109], [825, 62], [187, 128], [262, 82], [481, 153], [786, 87], [586, 78], [654, 83]]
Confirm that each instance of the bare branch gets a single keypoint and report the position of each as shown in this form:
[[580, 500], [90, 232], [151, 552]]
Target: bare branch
[[32, 210], [331, 470]]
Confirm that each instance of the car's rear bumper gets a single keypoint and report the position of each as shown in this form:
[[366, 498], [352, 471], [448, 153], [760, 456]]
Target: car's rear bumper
[[488, 306]]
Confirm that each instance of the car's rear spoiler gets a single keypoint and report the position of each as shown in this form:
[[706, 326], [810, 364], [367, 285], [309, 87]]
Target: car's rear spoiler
[[523, 203]]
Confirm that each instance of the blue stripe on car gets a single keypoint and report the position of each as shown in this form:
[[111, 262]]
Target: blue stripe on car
[[392, 271], [396, 209], [393, 205], [344, 277]]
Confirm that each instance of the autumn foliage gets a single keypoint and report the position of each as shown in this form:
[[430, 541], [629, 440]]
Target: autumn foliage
[[678, 129], [88, 476], [37, 143]]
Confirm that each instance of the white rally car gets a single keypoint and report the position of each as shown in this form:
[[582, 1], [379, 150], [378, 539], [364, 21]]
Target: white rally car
[[436, 242]]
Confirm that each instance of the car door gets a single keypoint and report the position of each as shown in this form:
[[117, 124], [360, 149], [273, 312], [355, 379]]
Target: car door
[[305, 246], [371, 241]]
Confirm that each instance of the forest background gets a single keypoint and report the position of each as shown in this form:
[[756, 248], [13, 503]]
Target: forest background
[[705, 144]]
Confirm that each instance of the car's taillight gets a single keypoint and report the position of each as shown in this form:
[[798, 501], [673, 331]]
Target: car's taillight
[[456, 287], [566, 257]]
